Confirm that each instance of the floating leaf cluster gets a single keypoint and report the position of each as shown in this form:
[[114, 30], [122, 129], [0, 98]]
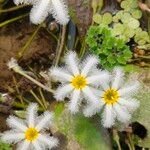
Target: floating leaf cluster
[[112, 51], [125, 23]]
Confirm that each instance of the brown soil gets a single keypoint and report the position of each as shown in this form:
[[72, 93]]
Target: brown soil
[[40, 54]]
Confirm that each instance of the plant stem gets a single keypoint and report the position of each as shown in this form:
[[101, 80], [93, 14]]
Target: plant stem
[[130, 141], [34, 81], [13, 20], [29, 41], [82, 50], [116, 138], [37, 99], [59, 52], [43, 98], [12, 8]]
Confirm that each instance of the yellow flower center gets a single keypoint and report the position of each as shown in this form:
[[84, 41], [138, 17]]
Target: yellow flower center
[[111, 96], [79, 82], [31, 134]]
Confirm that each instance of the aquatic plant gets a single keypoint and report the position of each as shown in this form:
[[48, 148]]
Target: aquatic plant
[[110, 50], [125, 23], [118, 101], [29, 133], [42, 8], [78, 79]]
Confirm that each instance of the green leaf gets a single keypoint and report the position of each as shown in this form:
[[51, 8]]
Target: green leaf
[[88, 136], [118, 29], [5, 146], [133, 23], [107, 18], [136, 13], [111, 59], [80, 129], [142, 115], [97, 18]]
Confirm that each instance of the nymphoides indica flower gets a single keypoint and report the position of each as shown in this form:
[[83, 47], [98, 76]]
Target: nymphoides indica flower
[[42, 8], [79, 80], [117, 99], [29, 134]]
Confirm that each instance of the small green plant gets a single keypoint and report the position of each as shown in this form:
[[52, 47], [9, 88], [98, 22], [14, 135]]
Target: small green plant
[[111, 51], [4, 146]]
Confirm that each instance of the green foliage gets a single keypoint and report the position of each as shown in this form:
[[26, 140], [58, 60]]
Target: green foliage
[[4, 146], [79, 128], [125, 23], [144, 112], [112, 51], [87, 134]]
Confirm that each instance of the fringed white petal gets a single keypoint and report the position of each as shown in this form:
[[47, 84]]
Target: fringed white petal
[[75, 101], [12, 63], [60, 11], [16, 123], [12, 136], [48, 142], [63, 91], [100, 78], [129, 90], [40, 11], [17, 2], [130, 104], [89, 63], [117, 78], [24, 145], [72, 62], [122, 114], [45, 121], [60, 74], [36, 145], [91, 109], [88, 93], [32, 114], [108, 116]]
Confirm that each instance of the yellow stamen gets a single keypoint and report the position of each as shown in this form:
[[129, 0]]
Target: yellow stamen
[[31, 134], [111, 96], [79, 82]]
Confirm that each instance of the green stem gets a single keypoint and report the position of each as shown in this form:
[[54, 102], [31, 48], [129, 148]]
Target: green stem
[[130, 141], [12, 8], [82, 50], [43, 98], [37, 99], [13, 20], [29, 41], [59, 52]]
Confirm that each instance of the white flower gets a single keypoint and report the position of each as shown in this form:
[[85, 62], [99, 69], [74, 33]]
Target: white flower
[[12, 63], [78, 80], [29, 133], [42, 8], [117, 100]]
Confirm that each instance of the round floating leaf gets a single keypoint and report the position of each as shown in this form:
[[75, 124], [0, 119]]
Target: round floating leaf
[[107, 18], [125, 4], [118, 29], [129, 32], [97, 18], [126, 17], [133, 23], [136, 13], [133, 4]]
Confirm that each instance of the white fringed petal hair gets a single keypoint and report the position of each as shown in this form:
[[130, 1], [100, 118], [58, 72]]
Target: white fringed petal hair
[[42, 8], [29, 134], [117, 98], [79, 80]]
